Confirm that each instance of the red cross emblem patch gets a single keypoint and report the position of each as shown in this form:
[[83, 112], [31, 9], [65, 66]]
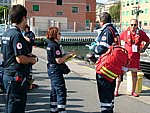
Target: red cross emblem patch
[[19, 46]]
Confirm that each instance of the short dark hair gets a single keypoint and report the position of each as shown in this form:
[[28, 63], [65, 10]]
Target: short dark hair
[[27, 27], [16, 13], [105, 17]]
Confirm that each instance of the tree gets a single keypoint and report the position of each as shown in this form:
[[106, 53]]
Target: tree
[[115, 12], [2, 8]]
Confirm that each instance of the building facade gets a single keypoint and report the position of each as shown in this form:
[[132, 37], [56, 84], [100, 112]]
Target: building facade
[[5, 2], [108, 4], [99, 9], [104, 7], [135, 9], [45, 13]]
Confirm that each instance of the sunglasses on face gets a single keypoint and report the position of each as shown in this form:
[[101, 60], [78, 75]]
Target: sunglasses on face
[[134, 25]]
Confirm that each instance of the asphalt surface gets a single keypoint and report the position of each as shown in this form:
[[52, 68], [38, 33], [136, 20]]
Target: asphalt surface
[[82, 96]]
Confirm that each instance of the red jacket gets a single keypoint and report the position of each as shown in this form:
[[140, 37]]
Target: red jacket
[[133, 39]]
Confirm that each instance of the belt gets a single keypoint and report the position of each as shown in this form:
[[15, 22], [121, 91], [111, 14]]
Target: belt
[[52, 65]]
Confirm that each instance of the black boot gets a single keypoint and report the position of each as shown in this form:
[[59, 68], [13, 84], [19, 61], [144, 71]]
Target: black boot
[[62, 110]]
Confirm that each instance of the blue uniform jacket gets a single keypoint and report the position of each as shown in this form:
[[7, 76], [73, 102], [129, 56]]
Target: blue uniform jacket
[[105, 39]]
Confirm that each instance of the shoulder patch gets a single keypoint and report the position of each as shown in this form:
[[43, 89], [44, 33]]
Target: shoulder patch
[[19, 45], [104, 38], [57, 52]]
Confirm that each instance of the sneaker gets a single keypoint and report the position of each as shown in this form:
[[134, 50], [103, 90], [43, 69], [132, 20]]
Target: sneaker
[[116, 93], [135, 94]]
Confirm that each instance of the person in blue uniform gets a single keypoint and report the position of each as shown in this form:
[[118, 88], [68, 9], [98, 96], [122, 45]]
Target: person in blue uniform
[[55, 59], [107, 36], [30, 38], [16, 61]]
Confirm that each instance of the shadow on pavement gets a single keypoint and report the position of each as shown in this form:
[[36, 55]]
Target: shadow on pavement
[[38, 101], [41, 79], [38, 73], [145, 93], [76, 78], [75, 111], [2, 102]]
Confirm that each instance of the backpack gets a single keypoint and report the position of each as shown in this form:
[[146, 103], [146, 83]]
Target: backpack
[[110, 64]]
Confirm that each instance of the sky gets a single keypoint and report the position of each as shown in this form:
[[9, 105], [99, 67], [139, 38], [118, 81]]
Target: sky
[[101, 1]]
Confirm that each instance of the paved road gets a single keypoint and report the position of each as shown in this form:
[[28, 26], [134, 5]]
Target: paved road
[[82, 94]]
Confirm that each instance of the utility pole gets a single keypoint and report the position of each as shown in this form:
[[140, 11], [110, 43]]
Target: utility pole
[[137, 11], [5, 18]]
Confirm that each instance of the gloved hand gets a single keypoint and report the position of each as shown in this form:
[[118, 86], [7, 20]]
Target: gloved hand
[[92, 45], [23, 33]]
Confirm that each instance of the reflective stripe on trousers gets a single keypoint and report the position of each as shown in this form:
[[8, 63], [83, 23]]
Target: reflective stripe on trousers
[[53, 107], [61, 108], [58, 87], [57, 108], [107, 107], [106, 93]]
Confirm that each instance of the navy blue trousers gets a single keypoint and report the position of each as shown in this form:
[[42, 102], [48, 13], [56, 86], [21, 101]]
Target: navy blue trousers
[[106, 93], [16, 95], [58, 89]]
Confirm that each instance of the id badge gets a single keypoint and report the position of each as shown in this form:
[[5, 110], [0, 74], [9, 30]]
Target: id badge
[[134, 48]]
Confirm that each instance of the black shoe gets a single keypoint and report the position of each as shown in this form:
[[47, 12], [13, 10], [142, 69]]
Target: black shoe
[[106, 111], [61, 110], [53, 111]]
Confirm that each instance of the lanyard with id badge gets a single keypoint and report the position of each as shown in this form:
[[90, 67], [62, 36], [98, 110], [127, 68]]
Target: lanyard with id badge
[[134, 41], [134, 48]]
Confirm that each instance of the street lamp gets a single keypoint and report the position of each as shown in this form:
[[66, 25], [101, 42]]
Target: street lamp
[[137, 11]]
